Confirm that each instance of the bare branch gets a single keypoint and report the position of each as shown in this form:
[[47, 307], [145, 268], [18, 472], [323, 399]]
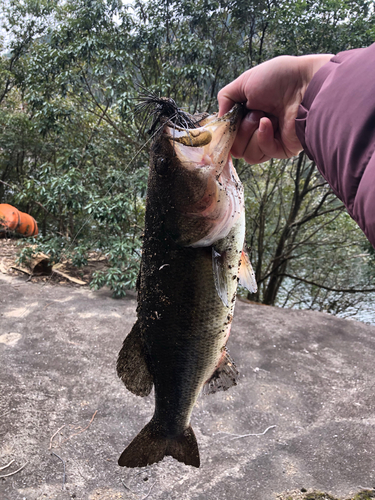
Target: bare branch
[[331, 289]]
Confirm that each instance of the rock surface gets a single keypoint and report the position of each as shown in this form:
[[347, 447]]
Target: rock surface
[[302, 416]]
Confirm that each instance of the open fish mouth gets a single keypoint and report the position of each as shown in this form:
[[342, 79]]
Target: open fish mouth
[[204, 151], [209, 144]]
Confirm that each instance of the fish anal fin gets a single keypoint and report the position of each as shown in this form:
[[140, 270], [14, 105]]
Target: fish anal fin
[[246, 274], [151, 446], [224, 376], [132, 366], [220, 276]]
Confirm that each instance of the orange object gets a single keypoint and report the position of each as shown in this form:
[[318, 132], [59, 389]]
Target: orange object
[[13, 219]]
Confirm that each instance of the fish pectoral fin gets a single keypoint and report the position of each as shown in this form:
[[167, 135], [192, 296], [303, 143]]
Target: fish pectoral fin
[[132, 366], [151, 446], [247, 275], [220, 276], [224, 377]]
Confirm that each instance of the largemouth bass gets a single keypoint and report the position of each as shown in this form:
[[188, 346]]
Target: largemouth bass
[[192, 260]]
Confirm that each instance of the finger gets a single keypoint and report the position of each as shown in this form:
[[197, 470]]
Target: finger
[[268, 141], [230, 95], [273, 143], [253, 154], [226, 102], [247, 127], [263, 144]]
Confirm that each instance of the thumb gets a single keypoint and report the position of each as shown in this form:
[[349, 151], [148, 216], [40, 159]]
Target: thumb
[[230, 95]]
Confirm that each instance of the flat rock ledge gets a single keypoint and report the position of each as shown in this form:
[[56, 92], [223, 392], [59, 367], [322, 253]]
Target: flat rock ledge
[[301, 420]]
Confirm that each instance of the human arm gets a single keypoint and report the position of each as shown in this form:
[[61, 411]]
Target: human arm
[[335, 125]]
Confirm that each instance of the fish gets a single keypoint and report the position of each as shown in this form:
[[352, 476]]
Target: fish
[[192, 260]]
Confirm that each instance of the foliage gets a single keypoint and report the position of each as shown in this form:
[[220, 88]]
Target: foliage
[[307, 250], [327, 26], [73, 153]]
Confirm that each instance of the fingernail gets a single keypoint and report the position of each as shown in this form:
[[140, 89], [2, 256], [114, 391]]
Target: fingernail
[[262, 125]]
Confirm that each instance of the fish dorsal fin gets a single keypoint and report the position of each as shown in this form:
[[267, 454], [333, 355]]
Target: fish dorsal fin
[[247, 275], [132, 366], [224, 377], [220, 276]]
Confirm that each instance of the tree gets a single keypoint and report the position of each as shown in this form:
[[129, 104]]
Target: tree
[[75, 154], [307, 250]]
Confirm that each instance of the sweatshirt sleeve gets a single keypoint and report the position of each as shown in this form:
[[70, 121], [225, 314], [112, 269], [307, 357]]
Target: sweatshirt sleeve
[[336, 126]]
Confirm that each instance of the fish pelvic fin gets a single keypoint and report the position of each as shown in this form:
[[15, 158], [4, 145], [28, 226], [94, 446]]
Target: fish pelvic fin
[[224, 377], [132, 366], [151, 446], [246, 274], [220, 276]]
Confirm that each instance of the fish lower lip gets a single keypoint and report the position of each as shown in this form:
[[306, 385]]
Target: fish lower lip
[[195, 138], [234, 113]]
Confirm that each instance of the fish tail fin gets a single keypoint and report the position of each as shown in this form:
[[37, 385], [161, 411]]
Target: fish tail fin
[[184, 448], [150, 446]]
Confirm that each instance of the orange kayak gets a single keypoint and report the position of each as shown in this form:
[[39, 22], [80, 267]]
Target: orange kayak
[[14, 220]]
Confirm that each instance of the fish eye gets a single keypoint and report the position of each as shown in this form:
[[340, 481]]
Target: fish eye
[[161, 165]]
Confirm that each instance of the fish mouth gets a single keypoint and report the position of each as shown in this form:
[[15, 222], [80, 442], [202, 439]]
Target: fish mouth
[[212, 191], [207, 145]]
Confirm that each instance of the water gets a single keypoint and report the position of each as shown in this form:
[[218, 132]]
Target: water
[[366, 314]]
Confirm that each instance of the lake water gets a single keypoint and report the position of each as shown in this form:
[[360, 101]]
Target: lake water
[[366, 315]]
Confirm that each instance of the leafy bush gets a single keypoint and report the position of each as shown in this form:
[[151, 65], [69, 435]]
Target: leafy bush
[[73, 153]]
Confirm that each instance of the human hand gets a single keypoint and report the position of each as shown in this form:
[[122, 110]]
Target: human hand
[[272, 92]]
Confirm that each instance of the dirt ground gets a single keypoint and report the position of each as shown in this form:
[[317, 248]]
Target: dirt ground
[[302, 418]]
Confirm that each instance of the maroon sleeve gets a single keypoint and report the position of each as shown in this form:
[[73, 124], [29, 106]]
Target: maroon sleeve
[[336, 126]]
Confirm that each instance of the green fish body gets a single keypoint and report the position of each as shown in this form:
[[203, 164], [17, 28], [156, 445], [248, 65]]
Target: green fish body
[[192, 260]]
